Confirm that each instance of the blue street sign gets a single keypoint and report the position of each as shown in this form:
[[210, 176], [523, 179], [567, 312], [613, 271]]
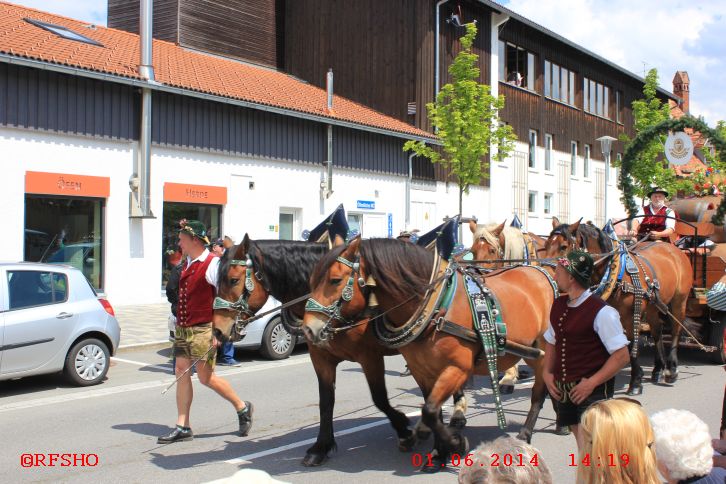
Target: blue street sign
[[366, 204], [390, 225]]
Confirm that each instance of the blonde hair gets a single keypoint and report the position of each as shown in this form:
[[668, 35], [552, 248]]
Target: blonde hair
[[618, 427], [513, 240]]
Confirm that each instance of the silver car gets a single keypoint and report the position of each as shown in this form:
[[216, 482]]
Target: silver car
[[53, 321]]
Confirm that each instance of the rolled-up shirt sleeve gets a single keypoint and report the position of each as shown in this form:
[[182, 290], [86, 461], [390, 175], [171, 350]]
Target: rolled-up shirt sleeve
[[610, 330], [212, 269], [549, 335]]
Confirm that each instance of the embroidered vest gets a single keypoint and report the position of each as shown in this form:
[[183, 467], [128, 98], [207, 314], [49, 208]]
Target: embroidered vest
[[652, 223], [196, 295], [579, 352]]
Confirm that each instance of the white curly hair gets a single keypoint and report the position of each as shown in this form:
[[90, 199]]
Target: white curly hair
[[682, 443]]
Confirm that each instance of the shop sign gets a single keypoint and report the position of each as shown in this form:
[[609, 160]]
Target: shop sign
[[366, 204], [67, 184], [203, 194]]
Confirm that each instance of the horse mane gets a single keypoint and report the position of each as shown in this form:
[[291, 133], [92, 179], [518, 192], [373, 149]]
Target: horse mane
[[285, 265], [583, 233], [401, 269], [513, 240]]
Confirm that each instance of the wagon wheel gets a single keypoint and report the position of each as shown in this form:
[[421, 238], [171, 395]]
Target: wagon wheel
[[717, 338]]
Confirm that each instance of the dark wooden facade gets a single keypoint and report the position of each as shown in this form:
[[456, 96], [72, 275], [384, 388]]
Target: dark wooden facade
[[251, 30]]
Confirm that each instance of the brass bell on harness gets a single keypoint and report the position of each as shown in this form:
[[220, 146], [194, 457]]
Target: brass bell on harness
[[370, 282]]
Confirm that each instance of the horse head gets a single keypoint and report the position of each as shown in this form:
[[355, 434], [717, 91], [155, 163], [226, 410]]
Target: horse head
[[562, 239], [241, 291], [339, 291], [488, 242]]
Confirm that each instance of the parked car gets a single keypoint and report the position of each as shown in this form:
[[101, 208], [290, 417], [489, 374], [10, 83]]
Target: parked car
[[53, 321], [267, 334]]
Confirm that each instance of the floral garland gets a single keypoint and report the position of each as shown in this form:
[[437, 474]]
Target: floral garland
[[625, 183]]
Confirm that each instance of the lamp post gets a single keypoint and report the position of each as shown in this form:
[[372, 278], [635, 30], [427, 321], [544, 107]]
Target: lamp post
[[606, 143]]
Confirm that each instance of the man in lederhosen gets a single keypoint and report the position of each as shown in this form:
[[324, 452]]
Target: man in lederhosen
[[654, 223], [193, 338], [586, 346]]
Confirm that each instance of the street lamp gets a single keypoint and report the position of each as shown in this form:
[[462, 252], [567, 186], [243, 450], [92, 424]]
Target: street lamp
[[606, 143]]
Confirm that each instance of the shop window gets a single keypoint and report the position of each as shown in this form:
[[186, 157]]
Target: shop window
[[66, 231], [209, 215]]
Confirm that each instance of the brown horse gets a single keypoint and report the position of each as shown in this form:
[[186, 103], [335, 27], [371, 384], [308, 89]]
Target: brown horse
[[397, 275], [501, 243], [656, 261], [281, 269]]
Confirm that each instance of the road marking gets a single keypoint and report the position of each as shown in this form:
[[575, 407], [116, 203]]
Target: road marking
[[249, 457], [141, 363], [104, 392]]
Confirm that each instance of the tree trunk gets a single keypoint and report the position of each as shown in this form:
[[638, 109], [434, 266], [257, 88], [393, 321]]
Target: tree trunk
[[461, 197]]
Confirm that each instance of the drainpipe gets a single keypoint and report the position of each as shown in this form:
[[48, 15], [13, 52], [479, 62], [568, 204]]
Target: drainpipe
[[409, 182], [140, 197], [326, 183]]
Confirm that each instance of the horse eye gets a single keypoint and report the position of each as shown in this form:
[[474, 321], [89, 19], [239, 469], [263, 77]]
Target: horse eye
[[335, 282], [234, 282], [563, 247]]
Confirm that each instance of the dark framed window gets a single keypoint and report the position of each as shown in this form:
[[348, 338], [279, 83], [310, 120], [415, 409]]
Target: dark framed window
[[209, 215], [532, 148], [63, 32], [65, 230], [559, 83], [516, 66], [596, 98]]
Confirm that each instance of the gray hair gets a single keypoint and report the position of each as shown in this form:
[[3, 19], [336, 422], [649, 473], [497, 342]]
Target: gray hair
[[482, 470], [682, 443]]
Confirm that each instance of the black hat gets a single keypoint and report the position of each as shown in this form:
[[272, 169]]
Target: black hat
[[657, 190], [580, 266]]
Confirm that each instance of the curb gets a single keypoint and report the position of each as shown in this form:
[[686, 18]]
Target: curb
[[143, 346]]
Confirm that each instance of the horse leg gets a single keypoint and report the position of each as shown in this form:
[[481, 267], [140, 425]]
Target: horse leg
[[458, 417], [656, 330], [445, 441], [678, 305], [539, 391], [325, 365], [506, 384], [374, 370], [635, 387]]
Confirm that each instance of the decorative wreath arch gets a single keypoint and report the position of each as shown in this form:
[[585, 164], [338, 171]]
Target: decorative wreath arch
[[646, 136]]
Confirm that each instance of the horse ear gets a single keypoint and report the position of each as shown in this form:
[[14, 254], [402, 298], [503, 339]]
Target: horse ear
[[555, 222], [574, 227], [352, 248], [338, 240], [472, 226], [497, 231], [243, 248]]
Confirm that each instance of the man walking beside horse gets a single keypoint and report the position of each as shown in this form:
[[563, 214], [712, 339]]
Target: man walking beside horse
[[586, 346]]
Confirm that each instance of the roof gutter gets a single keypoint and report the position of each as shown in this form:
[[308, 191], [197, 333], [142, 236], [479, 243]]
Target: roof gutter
[[129, 81]]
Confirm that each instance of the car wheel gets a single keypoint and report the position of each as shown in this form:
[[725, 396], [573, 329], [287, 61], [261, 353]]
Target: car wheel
[[87, 362], [277, 343]]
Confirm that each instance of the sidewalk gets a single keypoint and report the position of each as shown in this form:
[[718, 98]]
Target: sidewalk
[[143, 324]]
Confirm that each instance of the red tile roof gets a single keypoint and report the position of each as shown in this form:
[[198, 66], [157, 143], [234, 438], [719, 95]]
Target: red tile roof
[[178, 67]]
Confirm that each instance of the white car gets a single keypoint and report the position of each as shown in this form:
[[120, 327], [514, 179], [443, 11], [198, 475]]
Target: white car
[[267, 334], [53, 321]]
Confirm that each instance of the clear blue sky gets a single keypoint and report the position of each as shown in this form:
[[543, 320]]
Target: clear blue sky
[[669, 35]]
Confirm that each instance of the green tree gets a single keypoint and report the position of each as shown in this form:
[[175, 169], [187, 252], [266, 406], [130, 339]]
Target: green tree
[[712, 159], [650, 167], [466, 117]]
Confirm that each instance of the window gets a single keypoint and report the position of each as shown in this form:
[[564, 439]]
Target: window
[[617, 106], [618, 157], [65, 230], [287, 220], [595, 98], [548, 203], [559, 83], [516, 66], [532, 148], [63, 32], [532, 202], [36, 288], [548, 152], [586, 164], [173, 212], [573, 158], [355, 221]]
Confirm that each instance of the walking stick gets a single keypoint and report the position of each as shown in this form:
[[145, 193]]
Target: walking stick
[[190, 367]]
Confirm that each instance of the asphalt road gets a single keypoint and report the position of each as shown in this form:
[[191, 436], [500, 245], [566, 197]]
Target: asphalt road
[[119, 421]]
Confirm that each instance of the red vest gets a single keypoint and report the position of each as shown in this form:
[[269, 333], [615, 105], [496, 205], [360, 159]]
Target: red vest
[[649, 223], [196, 295], [579, 352]]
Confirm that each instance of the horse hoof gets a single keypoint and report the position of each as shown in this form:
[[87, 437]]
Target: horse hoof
[[524, 435], [406, 444], [422, 432], [632, 391], [506, 389], [437, 463], [655, 378], [458, 420], [314, 460], [563, 430], [671, 378]]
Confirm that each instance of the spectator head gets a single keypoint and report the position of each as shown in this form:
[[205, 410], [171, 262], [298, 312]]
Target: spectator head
[[482, 471], [617, 432], [682, 443], [217, 247]]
